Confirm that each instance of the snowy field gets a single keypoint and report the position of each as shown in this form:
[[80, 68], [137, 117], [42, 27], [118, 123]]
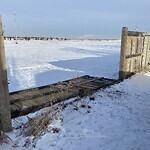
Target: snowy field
[[116, 118], [36, 63]]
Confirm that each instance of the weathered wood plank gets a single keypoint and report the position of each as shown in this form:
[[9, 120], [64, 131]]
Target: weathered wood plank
[[123, 64], [5, 115]]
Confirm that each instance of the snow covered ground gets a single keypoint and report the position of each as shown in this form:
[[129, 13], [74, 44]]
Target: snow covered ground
[[36, 63], [115, 118], [119, 119]]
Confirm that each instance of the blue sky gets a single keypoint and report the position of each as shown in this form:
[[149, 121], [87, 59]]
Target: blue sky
[[75, 18]]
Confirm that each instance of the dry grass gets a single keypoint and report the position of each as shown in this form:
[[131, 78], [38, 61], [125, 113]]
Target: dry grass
[[4, 138], [38, 125]]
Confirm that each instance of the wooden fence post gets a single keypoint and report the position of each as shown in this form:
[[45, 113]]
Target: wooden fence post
[[5, 114], [122, 67]]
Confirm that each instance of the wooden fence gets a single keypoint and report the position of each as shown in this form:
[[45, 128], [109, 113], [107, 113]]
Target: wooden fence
[[135, 57], [135, 53]]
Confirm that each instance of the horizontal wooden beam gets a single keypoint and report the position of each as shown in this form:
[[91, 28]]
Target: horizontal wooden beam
[[133, 55], [135, 33]]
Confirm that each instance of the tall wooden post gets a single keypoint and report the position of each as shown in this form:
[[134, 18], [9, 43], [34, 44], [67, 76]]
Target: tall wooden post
[[5, 114], [123, 65]]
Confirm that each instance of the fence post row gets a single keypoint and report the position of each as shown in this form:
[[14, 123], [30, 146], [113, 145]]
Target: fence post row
[[5, 114]]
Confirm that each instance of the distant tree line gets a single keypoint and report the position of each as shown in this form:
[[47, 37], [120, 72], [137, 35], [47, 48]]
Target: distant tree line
[[33, 38]]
